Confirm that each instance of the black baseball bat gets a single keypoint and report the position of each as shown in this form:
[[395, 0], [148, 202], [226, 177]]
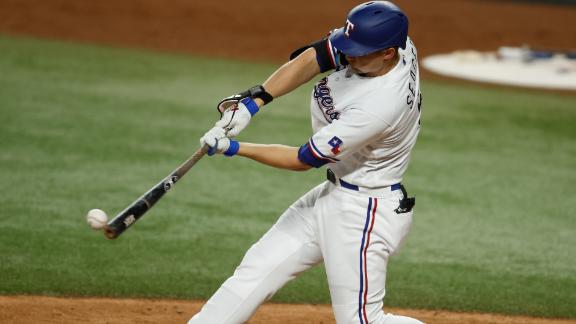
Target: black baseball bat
[[138, 208]]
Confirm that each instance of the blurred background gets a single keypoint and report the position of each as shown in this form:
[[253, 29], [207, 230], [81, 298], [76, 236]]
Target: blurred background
[[264, 30], [101, 99]]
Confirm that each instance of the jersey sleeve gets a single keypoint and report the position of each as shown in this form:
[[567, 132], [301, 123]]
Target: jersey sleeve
[[327, 56], [343, 137]]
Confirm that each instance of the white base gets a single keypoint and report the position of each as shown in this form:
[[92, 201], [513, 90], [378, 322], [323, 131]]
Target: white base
[[556, 72]]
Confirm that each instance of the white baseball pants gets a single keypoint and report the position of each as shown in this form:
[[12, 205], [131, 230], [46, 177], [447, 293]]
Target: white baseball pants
[[353, 233]]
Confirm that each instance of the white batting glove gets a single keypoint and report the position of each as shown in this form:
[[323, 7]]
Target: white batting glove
[[218, 142], [237, 116]]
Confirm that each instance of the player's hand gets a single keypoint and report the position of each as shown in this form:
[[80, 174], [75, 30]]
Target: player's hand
[[218, 142], [236, 115]]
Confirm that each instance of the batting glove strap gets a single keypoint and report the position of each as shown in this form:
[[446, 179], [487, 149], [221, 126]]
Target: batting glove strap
[[233, 149], [257, 91], [250, 105]]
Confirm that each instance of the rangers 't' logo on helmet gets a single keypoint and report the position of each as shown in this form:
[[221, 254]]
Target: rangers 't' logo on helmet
[[349, 28]]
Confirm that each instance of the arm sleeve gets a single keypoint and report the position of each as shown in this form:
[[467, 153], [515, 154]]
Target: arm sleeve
[[327, 55], [343, 137]]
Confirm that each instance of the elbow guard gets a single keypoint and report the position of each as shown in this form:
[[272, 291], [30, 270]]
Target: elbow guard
[[326, 55], [306, 156]]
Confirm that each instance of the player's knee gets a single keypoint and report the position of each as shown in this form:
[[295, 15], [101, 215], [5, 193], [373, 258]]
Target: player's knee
[[256, 268], [263, 270], [248, 277]]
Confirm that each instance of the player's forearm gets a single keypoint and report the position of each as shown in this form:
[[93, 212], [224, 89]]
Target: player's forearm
[[275, 155], [293, 74]]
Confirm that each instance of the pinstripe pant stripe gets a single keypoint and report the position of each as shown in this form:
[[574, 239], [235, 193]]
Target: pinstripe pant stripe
[[368, 226]]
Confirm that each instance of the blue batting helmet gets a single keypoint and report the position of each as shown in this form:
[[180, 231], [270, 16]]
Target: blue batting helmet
[[370, 27]]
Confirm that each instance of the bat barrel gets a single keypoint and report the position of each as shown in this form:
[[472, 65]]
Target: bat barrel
[[138, 208], [126, 218]]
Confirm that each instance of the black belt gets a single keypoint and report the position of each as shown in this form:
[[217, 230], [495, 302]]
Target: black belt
[[406, 203], [332, 178]]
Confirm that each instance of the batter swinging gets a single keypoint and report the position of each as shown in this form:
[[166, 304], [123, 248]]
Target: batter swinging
[[365, 120]]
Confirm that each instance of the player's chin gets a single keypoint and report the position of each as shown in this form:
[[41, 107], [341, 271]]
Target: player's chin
[[358, 71], [364, 68]]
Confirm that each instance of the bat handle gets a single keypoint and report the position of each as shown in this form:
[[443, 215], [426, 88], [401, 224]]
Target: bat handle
[[188, 164]]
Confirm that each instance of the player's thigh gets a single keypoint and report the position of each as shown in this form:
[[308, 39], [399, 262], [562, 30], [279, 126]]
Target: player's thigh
[[356, 245], [289, 247], [273, 261], [353, 254], [299, 220], [392, 227]]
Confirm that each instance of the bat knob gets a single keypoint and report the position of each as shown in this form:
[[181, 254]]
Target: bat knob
[[110, 232]]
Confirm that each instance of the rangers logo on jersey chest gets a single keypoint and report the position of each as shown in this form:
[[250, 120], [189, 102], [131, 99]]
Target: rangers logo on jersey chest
[[325, 101]]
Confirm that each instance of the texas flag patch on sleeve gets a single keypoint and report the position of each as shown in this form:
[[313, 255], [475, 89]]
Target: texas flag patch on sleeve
[[335, 142]]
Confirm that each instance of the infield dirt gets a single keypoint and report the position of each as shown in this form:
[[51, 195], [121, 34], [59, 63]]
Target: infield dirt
[[261, 30], [35, 309]]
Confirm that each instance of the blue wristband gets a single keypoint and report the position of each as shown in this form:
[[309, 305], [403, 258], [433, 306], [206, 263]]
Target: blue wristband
[[250, 105], [233, 149], [212, 149]]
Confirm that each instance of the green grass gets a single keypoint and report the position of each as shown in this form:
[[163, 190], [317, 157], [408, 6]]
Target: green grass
[[88, 127]]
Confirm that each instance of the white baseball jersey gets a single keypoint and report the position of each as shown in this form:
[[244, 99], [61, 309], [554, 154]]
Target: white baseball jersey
[[365, 127]]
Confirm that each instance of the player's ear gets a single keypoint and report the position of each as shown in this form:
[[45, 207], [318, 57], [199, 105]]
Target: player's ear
[[389, 53]]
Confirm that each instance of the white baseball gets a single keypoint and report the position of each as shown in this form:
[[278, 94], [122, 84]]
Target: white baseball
[[96, 218]]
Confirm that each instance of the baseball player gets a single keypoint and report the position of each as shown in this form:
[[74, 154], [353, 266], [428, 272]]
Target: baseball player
[[365, 120]]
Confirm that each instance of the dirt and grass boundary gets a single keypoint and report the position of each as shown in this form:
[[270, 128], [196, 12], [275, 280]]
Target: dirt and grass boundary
[[43, 309]]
